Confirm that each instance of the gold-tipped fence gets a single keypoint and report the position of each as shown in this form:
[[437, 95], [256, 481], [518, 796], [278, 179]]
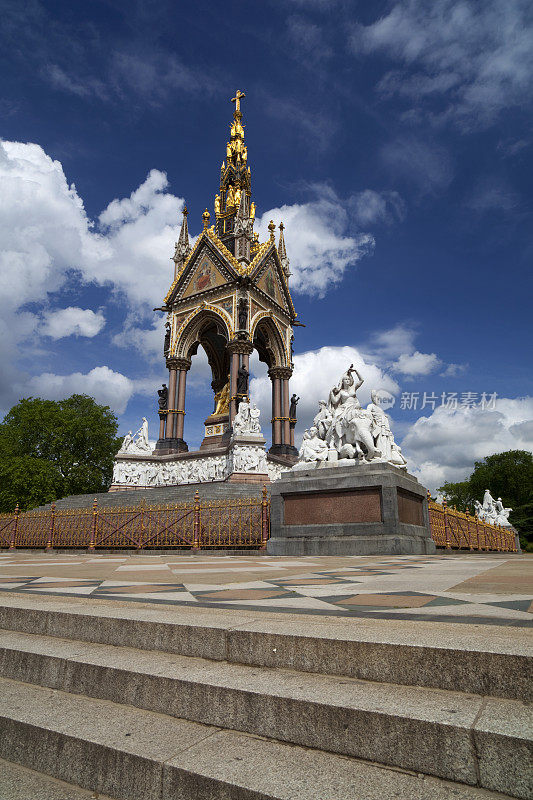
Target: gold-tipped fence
[[225, 523], [231, 523], [460, 530]]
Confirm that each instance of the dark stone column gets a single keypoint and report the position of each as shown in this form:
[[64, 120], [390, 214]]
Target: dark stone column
[[180, 406], [173, 442]]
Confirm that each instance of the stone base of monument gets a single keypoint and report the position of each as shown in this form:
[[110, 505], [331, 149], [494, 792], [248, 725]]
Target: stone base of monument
[[164, 447], [349, 509]]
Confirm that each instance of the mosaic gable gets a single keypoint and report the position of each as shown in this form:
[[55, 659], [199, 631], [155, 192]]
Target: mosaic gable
[[206, 276]]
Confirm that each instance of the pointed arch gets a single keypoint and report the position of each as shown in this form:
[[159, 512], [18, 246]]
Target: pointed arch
[[268, 341]]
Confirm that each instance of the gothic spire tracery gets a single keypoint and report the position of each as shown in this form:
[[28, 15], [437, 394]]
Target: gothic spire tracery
[[234, 210]]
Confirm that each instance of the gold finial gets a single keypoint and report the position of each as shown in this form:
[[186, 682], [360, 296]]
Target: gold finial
[[271, 228], [206, 216], [237, 100]]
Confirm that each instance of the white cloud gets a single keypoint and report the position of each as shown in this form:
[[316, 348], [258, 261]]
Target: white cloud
[[445, 445], [476, 58], [373, 207], [416, 364], [45, 234], [315, 372], [318, 244], [106, 386], [71, 320]]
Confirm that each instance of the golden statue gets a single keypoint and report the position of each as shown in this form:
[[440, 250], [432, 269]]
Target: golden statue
[[245, 154], [230, 198], [237, 146], [232, 130], [217, 204], [238, 194], [228, 151], [252, 211], [222, 401], [239, 130]]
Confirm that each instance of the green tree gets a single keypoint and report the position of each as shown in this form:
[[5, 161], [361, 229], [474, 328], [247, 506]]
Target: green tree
[[51, 449], [458, 495], [507, 475]]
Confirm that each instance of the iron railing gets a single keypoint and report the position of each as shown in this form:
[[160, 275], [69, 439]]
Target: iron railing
[[225, 523], [230, 523], [460, 530]]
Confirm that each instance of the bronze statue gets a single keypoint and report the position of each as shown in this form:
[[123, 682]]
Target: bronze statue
[[163, 398], [166, 346], [243, 314], [242, 381], [294, 403]]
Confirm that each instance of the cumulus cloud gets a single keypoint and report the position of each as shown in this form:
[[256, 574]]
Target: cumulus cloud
[[72, 321], [444, 445], [394, 349], [106, 386], [474, 59], [319, 244], [416, 364], [315, 372], [46, 234]]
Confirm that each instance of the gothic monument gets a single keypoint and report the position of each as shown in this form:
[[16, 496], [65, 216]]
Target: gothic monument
[[229, 294]]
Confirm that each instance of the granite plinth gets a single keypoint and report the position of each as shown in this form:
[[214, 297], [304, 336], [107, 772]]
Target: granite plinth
[[356, 509]]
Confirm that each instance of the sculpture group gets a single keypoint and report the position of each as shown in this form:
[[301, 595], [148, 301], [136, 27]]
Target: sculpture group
[[345, 431], [137, 442], [492, 511]]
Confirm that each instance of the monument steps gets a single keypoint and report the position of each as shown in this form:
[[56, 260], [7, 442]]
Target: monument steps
[[222, 707], [451, 735], [141, 755], [20, 783], [216, 490]]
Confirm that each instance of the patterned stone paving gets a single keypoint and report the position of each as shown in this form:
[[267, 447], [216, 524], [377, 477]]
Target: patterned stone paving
[[485, 589]]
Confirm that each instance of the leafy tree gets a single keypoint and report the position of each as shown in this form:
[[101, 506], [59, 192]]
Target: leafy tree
[[507, 475], [458, 495], [66, 447]]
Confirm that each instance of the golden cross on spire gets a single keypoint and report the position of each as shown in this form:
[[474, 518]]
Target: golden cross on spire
[[237, 99]]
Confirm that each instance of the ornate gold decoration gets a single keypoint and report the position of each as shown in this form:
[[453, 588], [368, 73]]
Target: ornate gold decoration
[[222, 401]]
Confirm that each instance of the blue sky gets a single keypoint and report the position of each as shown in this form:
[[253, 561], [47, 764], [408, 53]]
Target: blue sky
[[393, 140]]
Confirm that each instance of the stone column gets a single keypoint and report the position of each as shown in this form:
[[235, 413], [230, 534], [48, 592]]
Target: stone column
[[282, 442], [277, 432], [162, 419], [286, 403], [239, 350], [180, 405], [178, 368], [171, 414], [234, 366]]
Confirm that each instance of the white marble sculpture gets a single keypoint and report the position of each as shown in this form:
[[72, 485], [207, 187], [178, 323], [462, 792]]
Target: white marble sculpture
[[344, 431], [313, 447], [246, 422], [138, 443], [492, 511]]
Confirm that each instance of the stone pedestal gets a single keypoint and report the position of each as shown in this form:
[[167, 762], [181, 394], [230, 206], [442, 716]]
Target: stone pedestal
[[349, 509]]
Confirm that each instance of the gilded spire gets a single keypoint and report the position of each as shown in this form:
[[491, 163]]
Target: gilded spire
[[233, 201]]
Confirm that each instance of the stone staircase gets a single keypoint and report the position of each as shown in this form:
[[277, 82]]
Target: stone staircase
[[167, 703], [160, 495]]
